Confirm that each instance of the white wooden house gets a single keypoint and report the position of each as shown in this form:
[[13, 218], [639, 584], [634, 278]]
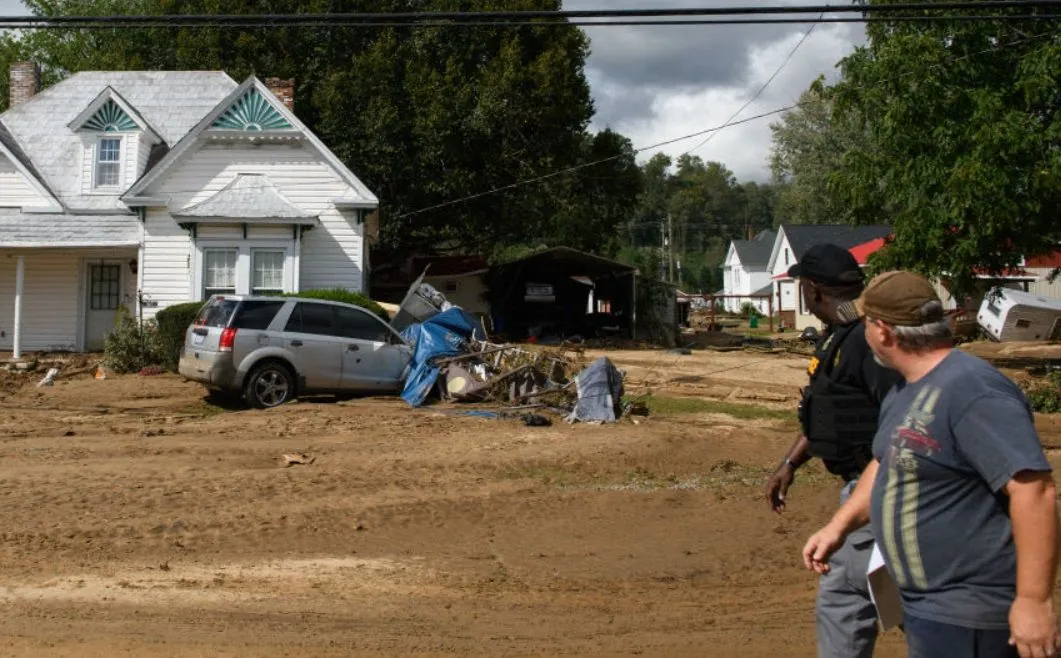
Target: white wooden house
[[793, 240], [126, 192], [745, 273]]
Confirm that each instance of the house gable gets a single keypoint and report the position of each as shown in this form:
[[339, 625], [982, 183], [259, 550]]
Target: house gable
[[732, 257], [20, 186], [238, 117], [108, 113]]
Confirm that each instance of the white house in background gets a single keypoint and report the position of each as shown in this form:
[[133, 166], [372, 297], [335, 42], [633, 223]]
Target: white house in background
[[744, 272], [793, 240], [126, 192]]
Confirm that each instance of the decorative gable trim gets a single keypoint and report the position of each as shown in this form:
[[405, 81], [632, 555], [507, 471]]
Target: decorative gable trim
[[110, 118], [251, 113], [109, 112], [182, 148]]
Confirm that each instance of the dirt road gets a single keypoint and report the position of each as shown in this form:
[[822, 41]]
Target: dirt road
[[140, 521]]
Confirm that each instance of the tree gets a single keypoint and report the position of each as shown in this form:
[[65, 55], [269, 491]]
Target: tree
[[424, 115], [964, 158], [809, 145]]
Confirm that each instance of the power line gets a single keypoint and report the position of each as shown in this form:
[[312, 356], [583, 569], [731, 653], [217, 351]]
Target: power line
[[963, 5], [585, 18], [148, 23], [766, 84]]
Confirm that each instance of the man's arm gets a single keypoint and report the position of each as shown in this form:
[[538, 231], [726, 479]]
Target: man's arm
[[851, 516], [1033, 512], [778, 484]]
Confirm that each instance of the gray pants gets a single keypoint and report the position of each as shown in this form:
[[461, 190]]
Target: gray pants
[[847, 620]]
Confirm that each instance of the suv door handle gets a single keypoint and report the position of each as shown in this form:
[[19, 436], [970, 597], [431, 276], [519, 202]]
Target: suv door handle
[[296, 343], [352, 348]]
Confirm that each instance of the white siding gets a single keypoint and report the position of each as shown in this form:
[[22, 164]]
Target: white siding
[[16, 191], [132, 145], [1044, 287], [167, 262], [52, 302], [331, 254], [780, 266]]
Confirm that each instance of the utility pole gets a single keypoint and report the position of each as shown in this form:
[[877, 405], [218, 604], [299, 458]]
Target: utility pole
[[662, 251], [670, 250]]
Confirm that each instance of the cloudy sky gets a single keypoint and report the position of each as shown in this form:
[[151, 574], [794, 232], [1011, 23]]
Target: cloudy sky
[[656, 83]]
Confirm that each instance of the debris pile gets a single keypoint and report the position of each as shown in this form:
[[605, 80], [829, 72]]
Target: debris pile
[[453, 360]]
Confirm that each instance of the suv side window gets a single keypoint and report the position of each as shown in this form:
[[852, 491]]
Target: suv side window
[[309, 318], [361, 326], [256, 314]]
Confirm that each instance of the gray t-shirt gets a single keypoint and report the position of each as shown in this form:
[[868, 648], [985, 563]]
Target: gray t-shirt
[[947, 445]]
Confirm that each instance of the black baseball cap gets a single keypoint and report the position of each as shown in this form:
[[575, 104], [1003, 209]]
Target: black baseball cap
[[827, 264]]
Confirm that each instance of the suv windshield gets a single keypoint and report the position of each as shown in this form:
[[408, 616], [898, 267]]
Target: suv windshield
[[216, 313]]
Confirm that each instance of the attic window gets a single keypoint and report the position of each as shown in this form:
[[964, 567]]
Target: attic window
[[110, 118], [252, 113], [108, 162]]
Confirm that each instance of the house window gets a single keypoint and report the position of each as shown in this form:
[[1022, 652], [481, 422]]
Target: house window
[[787, 257], [219, 272], [267, 275], [108, 162], [450, 287], [105, 282]]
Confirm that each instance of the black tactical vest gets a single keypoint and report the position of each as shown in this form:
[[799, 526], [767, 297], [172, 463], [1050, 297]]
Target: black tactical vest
[[838, 420]]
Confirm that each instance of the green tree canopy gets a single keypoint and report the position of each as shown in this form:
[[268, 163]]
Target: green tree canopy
[[964, 149]]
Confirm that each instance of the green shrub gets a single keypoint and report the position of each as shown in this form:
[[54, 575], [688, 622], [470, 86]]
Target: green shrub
[[345, 297], [1044, 394], [749, 310], [131, 346], [172, 323]]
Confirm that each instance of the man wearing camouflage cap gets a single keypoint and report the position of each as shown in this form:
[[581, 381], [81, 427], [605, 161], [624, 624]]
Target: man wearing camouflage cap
[[960, 494]]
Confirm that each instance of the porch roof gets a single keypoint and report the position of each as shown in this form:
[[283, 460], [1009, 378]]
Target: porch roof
[[33, 230], [247, 198]]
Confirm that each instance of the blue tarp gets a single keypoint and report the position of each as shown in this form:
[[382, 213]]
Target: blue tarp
[[438, 337]]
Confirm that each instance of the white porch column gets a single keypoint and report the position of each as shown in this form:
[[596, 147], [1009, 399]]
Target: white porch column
[[20, 271]]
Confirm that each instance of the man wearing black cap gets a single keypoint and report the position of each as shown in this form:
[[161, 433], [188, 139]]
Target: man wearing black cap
[[838, 415]]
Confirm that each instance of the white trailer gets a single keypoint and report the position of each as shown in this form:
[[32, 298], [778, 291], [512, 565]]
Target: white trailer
[[1014, 315]]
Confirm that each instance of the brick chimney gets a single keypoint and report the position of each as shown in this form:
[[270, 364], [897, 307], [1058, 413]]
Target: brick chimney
[[25, 82], [284, 90]]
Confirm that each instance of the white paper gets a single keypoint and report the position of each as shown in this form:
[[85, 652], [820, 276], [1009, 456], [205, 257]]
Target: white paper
[[883, 591]]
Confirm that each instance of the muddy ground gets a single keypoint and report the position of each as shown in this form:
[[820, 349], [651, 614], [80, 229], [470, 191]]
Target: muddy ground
[[140, 521]]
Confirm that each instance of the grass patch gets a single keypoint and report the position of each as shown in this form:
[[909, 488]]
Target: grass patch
[[662, 405]]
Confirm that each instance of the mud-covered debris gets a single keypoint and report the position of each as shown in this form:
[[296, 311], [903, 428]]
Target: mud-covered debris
[[292, 459]]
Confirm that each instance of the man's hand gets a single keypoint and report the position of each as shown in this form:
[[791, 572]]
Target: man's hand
[[1033, 628], [778, 484], [821, 546]]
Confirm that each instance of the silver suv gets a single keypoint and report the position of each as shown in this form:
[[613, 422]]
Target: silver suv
[[270, 350]]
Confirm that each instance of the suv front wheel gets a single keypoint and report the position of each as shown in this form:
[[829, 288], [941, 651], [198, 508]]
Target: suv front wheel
[[269, 385]]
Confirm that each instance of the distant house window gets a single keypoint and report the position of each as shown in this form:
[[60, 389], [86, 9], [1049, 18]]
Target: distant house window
[[268, 274], [450, 287], [219, 272], [108, 162], [787, 257]]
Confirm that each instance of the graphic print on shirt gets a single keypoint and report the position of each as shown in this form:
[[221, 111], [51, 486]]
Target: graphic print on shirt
[[909, 440]]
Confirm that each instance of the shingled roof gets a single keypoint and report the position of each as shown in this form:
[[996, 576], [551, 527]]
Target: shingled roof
[[756, 252], [172, 102], [802, 237]]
